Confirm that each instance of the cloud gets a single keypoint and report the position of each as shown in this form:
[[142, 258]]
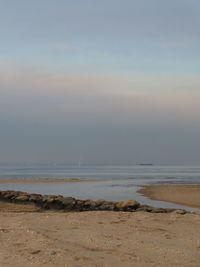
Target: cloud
[[54, 97]]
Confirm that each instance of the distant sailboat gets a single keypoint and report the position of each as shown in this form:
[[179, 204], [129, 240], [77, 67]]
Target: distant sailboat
[[79, 163]]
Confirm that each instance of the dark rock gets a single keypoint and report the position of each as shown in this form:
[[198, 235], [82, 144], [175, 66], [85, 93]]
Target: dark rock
[[72, 204], [9, 195], [127, 205], [35, 198], [46, 198], [144, 208], [88, 205], [107, 206], [181, 212], [68, 203]]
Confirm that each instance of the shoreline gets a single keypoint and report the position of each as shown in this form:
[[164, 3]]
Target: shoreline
[[187, 195], [48, 180]]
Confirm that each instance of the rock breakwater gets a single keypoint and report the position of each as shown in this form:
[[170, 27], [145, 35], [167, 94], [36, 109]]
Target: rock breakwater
[[58, 202]]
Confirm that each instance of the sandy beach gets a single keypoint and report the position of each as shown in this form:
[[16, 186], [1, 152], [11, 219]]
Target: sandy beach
[[99, 133], [30, 237], [188, 195], [101, 238]]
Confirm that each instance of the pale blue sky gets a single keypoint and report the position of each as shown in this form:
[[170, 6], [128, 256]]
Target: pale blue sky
[[106, 81]]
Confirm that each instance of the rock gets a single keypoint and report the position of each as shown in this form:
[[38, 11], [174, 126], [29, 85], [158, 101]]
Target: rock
[[8, 195], [100, 202], [35, 198], [72, 204], [107, 206], [22, 198], [159, 210], [88, 204], [181, 212], [145, 208], [127, 204], [51, 202], [68, 203], [52, 199], [47, 198]]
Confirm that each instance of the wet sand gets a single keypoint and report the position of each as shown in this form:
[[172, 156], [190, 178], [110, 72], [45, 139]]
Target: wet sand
[[187, 195], [100, 238]]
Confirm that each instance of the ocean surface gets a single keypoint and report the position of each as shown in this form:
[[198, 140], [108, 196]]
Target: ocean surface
[[113, 182]]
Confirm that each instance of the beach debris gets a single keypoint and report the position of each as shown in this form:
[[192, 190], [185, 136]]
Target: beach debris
[[35, 252], [53, 252], [3, 230]]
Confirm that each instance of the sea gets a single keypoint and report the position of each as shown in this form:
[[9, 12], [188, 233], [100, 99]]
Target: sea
[[114, 183]]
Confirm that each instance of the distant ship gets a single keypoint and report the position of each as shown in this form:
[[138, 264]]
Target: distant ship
[[145, 164]]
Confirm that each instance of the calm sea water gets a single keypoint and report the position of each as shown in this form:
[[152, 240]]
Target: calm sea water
[[116, 182]]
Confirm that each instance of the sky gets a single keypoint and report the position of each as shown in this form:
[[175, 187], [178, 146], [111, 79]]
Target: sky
[[104, 82]]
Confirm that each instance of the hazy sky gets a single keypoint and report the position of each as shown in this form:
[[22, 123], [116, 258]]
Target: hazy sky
[[108, 81]]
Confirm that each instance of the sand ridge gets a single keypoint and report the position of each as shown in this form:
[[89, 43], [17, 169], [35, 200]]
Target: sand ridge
[[188, 195]]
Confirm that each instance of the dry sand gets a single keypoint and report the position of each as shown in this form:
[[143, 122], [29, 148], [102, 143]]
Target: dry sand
[[100, 238], [188, 195]]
